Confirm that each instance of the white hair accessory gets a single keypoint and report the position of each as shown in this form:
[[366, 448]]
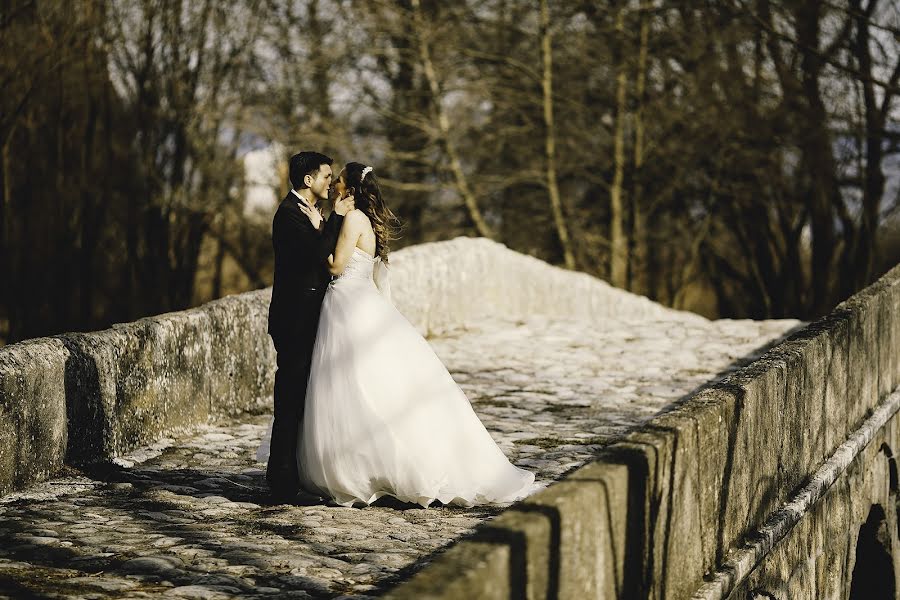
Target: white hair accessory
[[365, 172]]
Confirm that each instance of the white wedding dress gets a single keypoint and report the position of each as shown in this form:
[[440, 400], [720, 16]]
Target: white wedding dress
[[383, 415]]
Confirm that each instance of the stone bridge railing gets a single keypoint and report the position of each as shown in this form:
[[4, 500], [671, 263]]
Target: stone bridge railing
[[92, 396], [779, 481], [758, 485]]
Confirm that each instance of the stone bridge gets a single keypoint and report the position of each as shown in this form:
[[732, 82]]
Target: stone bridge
[[685, 458]]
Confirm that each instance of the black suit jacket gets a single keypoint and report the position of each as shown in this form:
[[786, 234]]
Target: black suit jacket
[[301, 273]]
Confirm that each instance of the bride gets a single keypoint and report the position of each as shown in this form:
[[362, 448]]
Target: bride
[[383, 415]]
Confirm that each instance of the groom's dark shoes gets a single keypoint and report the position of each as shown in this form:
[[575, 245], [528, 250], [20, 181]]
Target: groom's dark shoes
[[281, 472], [283, 483], [282, 494]]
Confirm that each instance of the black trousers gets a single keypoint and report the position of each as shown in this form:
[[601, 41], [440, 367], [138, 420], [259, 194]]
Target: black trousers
[[293, 359]]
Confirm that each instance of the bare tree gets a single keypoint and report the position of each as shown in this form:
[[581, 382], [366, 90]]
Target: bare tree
[[618, 256], [639, 279], [550, 135], [858, 258], [443, 123], [181, 68]]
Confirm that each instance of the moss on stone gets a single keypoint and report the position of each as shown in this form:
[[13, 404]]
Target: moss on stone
[[491, 402], [548, 442], [541, 442]]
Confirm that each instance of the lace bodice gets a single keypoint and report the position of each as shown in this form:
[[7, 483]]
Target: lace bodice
[[360, 266]]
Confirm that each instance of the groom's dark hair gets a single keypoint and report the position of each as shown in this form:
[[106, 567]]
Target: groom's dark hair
[[303, 164]]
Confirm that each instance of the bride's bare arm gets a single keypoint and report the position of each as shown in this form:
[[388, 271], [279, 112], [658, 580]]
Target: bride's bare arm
[[351, 229]]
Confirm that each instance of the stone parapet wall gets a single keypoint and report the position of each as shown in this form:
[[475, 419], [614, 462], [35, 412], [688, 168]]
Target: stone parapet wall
[[828, 554], [442, 286], [83, 397], [680, 495], [135, 381], [33, 430]]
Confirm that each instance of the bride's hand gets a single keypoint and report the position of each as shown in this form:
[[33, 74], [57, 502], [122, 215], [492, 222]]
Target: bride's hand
[[344, 205], [314, 216]]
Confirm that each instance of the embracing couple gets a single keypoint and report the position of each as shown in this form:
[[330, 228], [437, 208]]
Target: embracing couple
[[363, 406]]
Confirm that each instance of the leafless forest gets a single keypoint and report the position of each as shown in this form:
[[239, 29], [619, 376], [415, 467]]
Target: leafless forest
[[734, 157]]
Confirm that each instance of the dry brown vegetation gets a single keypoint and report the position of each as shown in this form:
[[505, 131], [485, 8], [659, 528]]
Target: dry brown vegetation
[[730, 157]]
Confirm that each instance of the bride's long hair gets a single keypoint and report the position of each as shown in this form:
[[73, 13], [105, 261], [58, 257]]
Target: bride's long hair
[[367, 198]]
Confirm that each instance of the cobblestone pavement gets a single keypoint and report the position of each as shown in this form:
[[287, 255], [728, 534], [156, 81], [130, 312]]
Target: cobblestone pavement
[[189, 517]]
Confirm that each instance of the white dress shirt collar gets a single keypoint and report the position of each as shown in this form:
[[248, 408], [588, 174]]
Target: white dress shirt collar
[[302, 199]]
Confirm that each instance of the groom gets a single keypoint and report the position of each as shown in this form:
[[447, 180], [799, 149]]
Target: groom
[[301, 276]]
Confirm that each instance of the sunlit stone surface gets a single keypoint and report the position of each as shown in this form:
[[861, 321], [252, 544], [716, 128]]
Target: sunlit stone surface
[[188, 517]]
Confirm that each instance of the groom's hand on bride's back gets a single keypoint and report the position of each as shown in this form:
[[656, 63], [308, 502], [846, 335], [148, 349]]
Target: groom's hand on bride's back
[[344, 205]]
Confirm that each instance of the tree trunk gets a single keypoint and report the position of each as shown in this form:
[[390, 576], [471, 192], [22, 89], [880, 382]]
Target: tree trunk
[[818, 159], [618, 257], [550, 137], [692, 265], [6, 200], [639, 279], [89, 202], [218, 262], [863, 260], [6, 259], [443, 122]]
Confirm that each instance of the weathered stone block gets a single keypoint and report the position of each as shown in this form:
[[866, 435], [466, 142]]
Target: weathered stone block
[[889, 332], [693, 468], [716, 414], [469, 569], [568, 541], [588, 518], [534, 549], [835, 376], [816, 559], [805, 440], [695, 483], [134, 382], [862, 313], [755, 484], [241, 368], [129, 384], [32, 412]]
